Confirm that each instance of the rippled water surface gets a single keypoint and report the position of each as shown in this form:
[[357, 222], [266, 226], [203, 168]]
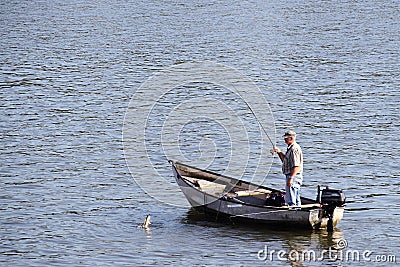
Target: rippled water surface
[[328, 69]]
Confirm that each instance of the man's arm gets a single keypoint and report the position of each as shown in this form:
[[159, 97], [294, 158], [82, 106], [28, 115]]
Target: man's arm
[[280, 153]]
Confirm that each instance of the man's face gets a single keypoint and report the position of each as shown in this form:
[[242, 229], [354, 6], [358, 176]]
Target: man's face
[[289, 140]]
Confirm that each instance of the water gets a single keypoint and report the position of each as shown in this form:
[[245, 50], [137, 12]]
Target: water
[[328, 70]]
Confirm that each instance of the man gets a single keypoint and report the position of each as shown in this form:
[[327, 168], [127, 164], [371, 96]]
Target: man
[[292, 168]]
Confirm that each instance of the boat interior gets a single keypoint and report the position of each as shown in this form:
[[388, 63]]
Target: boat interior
[[242, 191]]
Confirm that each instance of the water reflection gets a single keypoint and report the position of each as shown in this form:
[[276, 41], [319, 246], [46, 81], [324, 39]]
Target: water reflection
[[296, 246]]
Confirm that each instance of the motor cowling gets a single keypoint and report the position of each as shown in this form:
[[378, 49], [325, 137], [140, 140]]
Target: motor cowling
[[330, 199], [333, 197]]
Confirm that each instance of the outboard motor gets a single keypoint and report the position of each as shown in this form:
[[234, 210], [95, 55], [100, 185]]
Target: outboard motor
[[330, 199]]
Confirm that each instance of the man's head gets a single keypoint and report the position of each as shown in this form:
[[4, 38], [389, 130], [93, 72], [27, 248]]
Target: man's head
[[290, 137]]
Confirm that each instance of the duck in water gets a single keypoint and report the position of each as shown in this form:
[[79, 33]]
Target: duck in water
[[146, 222]]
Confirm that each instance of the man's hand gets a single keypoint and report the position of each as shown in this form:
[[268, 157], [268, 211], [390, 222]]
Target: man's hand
[[289, 182], [277, 150]]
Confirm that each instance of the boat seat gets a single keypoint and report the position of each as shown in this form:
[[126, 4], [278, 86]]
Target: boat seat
[[210, 187], [246, 193], [191, 179]]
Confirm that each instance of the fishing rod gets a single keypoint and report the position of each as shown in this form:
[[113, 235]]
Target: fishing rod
[[262, 127]]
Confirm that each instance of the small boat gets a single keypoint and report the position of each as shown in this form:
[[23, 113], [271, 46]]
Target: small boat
[[234, 200]]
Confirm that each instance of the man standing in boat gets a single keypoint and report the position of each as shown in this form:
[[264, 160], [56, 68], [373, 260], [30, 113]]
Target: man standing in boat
[[292, 168]]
